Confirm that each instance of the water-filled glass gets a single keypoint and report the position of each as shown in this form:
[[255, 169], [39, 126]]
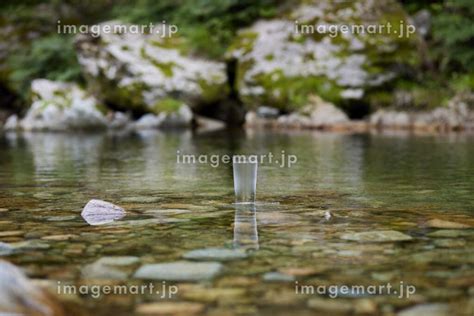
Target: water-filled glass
[[245, 181]]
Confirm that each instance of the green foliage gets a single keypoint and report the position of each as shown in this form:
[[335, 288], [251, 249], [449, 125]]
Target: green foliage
[[51, 57], [210, 25], [167, 105], [453, 29]]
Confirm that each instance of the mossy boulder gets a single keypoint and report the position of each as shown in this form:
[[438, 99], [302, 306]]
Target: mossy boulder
[[146, 72], [61, 106], [318, 48]]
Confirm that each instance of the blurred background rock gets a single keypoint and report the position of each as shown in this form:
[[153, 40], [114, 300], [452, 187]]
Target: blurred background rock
[[231, 56]]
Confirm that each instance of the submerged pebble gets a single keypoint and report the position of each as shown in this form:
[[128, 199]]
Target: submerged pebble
[[116, 268], [438, 223], [377, 236], [170, 308], [218, 254], [435, 309], [277, 277], [179, 271]]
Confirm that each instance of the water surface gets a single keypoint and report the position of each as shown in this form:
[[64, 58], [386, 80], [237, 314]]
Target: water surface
[[364, 182]]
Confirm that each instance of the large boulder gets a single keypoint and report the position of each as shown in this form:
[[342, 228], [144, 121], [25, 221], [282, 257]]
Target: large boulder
[[60, 106], [281, 61], [144, 72]]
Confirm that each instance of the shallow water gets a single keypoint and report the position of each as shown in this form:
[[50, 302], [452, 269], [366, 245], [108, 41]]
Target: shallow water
[[340, 185]]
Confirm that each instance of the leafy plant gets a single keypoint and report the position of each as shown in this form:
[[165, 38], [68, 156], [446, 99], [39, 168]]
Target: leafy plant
[[51, 57], [453, 29]]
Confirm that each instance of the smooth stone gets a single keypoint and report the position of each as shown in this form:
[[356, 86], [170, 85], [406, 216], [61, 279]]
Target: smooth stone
[[60, 218], [118, 260], [438, 223], [330, 305], [301, 272], [179, 271], [277, 277], [170, 308], [449, 243], [30, 244], [211, 295], [436, 309], [6, 249], [59, 237], [218, 254], [20, 296], [109, 268], [12, 233], [377, 236], [450, 233], [98, 212]]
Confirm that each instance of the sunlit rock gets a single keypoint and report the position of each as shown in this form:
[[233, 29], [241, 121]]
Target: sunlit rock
[[97, 212], [146, 71], [60, 106]]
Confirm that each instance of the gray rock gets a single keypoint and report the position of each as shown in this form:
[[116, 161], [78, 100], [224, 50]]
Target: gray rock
[[98, 212], [30, 244], [12, 123], [60, 218], [19, 296], [118, 120], [205, 124], [6, 249], [267, 112], [277, 277], [436, 309], [182, 117], [218, 254], [116, 268], [451, 233], [377, 236], [149, 121], [422, 21], [179, 271]]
